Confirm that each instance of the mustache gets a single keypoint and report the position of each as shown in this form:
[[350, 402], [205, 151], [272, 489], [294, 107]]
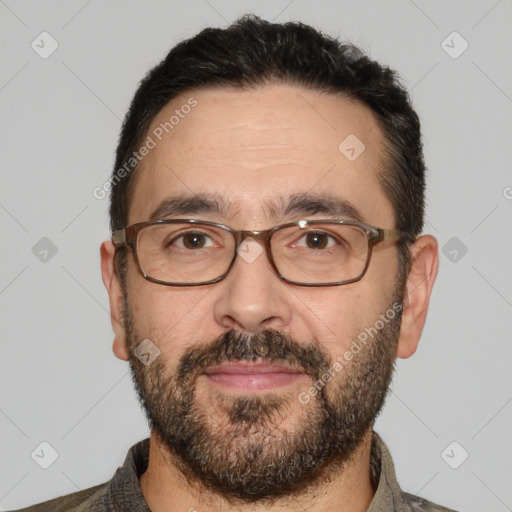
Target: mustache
[[268, 345]]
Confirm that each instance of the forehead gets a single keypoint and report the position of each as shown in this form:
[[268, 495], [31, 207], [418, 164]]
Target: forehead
[[259, 147]]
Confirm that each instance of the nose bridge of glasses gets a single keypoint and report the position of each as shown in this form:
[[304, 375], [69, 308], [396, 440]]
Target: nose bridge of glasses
[[259, 236], [262, 236]]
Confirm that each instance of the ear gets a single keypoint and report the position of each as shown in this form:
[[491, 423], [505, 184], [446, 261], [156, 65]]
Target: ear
[[113, 286], [423, 272]]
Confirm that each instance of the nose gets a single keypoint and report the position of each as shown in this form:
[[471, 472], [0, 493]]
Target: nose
[[252, 297]]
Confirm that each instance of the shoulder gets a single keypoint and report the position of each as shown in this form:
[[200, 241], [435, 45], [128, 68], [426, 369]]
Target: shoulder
[[412, 503], [75, 502], [389, 495]]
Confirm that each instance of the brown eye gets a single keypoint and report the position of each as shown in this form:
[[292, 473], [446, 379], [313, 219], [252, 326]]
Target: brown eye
[[193, 241], [317, 240]]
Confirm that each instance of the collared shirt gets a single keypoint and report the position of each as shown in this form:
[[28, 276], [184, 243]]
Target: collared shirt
[[123, 492]]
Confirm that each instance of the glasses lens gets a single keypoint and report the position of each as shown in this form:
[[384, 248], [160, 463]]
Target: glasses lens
[[320, 253], [184, 253]]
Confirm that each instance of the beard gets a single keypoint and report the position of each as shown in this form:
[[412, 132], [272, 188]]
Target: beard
[[265, 447]]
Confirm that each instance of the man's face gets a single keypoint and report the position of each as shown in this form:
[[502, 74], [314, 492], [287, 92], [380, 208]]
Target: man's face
[[252, 437]]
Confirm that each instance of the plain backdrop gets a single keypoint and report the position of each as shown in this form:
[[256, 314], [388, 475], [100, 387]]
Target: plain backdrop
[[60, 118]]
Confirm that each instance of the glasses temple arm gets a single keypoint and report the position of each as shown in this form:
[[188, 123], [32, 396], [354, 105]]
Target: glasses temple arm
[[119, 238], [397, 235]]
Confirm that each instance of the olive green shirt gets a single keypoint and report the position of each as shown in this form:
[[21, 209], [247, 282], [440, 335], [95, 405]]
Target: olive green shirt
[[123, 492]]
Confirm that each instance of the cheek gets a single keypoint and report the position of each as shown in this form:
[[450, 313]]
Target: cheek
[[172, 318], [336, 316]]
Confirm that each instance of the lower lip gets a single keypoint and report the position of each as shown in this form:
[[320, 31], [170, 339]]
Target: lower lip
[[253, 381]]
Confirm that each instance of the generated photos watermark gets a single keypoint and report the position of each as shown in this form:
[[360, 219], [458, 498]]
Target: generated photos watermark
[[342, 360], [151, 142]]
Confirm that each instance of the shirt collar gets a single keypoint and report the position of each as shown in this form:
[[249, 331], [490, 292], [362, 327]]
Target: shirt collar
[[388, 495]]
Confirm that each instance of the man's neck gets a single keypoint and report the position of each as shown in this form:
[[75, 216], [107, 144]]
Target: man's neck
[[166, 489]]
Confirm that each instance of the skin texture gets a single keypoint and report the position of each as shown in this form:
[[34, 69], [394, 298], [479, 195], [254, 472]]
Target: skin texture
[[251, 147]]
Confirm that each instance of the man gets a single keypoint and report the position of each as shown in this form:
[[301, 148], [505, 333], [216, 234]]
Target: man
[[265, 271]]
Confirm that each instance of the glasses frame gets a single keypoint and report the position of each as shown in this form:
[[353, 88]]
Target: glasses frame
[[128, 237]]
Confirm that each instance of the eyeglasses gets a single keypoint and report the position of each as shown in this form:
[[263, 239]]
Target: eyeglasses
[[188, 252]]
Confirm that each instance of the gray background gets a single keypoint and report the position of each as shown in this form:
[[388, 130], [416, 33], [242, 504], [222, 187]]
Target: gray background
[[60, 118]]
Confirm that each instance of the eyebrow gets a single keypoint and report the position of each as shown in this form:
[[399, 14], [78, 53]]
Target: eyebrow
[[283, 206], [328, 205], [190, 205]]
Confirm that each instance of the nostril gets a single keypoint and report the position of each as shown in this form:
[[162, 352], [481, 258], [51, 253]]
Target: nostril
[[230, 323], [268, 322]]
